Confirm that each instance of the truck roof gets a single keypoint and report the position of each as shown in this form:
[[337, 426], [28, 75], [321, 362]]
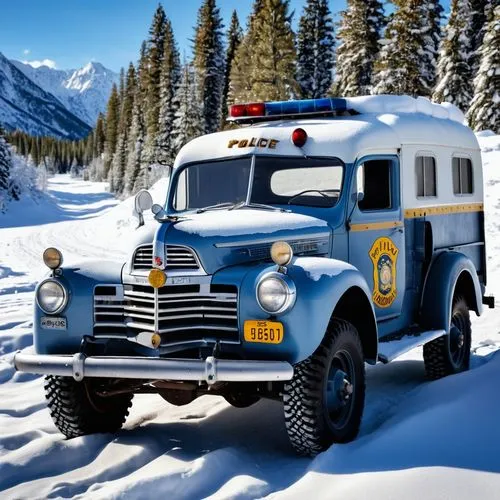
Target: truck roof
[[382, 124]]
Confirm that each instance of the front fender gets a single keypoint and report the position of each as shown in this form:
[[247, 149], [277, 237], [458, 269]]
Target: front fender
[[449, 272], [80, 280], [320, 283]]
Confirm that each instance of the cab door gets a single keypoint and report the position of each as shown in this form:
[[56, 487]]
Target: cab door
[[376, 232]]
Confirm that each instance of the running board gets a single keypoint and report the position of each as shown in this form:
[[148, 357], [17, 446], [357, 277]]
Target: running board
[[389, 350]]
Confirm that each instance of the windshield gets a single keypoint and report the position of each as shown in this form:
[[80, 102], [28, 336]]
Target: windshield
[[285, 181]]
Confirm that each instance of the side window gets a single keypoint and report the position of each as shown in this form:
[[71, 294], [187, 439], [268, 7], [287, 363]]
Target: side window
[[425, 167], [462, 176], [374, 181]]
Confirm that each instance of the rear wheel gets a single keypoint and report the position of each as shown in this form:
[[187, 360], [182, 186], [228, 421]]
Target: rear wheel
[[77, 410], [324, 401], [451, 353]]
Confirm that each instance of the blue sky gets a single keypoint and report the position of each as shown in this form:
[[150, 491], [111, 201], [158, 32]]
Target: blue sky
[[73, 32]]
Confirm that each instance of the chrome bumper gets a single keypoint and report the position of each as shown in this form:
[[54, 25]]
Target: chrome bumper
[[210, 370]]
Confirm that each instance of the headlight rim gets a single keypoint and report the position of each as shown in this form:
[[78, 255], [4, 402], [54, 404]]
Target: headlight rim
[[290, 287], [65, 296]]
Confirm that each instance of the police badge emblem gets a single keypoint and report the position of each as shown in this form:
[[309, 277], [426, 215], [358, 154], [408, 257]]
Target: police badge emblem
[[384, 255]]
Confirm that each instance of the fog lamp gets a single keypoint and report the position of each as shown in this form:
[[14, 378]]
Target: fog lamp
[[52, 258], [281, 253]]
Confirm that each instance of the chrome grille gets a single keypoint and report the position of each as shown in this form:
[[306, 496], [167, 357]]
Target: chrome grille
[[109, 313], [185, 313], [178, 257]]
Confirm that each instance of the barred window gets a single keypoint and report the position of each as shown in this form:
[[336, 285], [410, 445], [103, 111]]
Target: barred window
[[462, 176], [425, 167]]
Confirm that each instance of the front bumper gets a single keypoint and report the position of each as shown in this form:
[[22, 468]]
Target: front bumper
[[210, 370]]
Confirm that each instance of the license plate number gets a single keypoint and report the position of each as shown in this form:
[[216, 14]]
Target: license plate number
[[265, 332], [51, 323]]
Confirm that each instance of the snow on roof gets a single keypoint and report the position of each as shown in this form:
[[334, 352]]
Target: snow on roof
[[384, 124]]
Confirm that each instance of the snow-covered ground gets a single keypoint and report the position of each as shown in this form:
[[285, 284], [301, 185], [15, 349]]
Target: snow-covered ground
[[418, 440]]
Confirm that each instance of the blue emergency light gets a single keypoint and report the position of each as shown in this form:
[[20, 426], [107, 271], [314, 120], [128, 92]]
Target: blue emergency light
[[260, 111]]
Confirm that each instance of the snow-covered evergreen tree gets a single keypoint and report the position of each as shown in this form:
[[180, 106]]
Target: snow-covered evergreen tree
[[484, 112], [234, 38], [188, 122], [169, 80], [480, 11], [240, 82], [112, 119], [135, 157], [359, 34], [433, 40], [402, 64], [5, 167], [454, 70], [120, 156], [152, 75], [208, 63], [315, 49], [273, 55]]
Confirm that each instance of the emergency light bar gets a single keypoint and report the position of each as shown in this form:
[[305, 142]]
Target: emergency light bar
[[262, 111]]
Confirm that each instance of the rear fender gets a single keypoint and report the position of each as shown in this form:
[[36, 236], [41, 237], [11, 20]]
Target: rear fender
[[450, 274]]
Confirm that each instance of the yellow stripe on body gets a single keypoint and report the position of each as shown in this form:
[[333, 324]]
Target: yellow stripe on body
[[412, 213], [376, 225]]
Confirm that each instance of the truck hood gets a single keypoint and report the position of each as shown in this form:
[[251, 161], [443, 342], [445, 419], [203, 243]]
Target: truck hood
[[223, 238]]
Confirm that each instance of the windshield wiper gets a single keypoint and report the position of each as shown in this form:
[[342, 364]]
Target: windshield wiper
[[215, 207], [261, 206]]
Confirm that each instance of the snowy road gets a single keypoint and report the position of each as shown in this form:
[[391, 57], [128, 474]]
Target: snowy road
[[437, 439]]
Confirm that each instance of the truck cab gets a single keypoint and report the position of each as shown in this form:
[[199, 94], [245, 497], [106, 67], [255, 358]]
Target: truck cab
[[318, 236]]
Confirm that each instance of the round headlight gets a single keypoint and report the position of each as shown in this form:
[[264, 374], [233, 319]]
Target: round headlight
[[52, 258], [275, 293], [51, 297], [281, 253]]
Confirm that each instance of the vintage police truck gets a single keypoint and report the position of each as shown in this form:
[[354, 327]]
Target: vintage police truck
[[319, 236]]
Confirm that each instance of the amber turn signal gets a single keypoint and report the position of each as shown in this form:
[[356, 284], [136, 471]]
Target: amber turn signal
[[281, 253], [52, 258], [157, 278]]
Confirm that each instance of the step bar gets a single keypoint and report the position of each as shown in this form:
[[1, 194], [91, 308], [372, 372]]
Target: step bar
[[209, 370]]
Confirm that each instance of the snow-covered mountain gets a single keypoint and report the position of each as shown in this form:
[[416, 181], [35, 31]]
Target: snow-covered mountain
[[83, 91], [27, 106]]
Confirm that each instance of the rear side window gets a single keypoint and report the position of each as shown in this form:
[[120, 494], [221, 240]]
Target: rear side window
[[462, 176], [425, 167]]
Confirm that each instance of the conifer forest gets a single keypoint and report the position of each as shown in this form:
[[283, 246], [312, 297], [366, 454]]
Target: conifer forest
[[165, 99]]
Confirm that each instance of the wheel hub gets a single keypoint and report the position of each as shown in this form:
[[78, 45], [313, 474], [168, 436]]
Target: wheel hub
[[339, 390]]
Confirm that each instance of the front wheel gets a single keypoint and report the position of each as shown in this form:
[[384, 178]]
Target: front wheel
[[77, 409], [324, 401]]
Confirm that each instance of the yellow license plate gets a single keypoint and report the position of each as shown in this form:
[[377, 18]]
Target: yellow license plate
[[265, 332]]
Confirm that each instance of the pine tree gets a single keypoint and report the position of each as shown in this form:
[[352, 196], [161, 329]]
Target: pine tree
[[273, 56], [152, 76], [112, 119], [480, 10], [234, 38], [401, 66], [359, 35], [484, 112], [170, 75], [240, 82], [454, 71], [187, 123], [120, 157], [5, 166], [209, 63], [435, 14], [315, 49]]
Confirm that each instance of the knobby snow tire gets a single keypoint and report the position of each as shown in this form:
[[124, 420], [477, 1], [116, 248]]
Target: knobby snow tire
[[76, 411], [307, 421]]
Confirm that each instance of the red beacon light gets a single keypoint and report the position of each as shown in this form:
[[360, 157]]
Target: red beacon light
[[299, 137], [254, 109]]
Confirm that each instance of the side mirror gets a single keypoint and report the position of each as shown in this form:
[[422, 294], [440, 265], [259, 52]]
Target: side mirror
[[143, 202]]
